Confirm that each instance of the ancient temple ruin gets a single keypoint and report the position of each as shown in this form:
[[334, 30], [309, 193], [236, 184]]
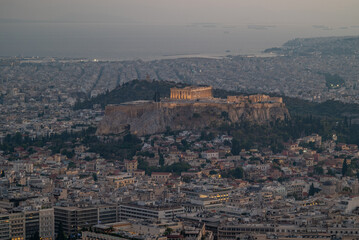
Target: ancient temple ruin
[[191, 93]]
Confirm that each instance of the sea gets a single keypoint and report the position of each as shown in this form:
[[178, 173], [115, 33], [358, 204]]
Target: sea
[[116, 41]]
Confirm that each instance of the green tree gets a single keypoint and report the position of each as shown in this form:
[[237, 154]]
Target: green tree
[[35, 236], [162, 159], [94, 176], [224, 115], [311, 190], [184, 143], [235, 173], [207, 137], [318, 170], [186, 179], [331, 172], [157, 96], [71, 165], [238, 173], [68, 154], [345, 167], [196, 115], [168, 231], [347, 189], [31, 150], [60, 233], [236, 148]]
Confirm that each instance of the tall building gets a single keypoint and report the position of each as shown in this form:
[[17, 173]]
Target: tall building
[[73, 219], [4, 227], [32, 224], [107, 214], [47, 224], [17, 226], [136, 211], [24, 225]]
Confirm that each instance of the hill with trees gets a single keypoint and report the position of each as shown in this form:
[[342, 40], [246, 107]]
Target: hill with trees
[[148, 90], [131, 91]]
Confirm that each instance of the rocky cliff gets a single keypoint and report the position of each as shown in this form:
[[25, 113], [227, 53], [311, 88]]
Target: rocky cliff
[[146, 117]]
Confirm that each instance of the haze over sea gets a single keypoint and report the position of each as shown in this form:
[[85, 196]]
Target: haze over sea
[[132, 41]]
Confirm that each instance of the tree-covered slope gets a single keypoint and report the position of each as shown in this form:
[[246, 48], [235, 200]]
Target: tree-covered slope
[[131, 91], [145, 90]]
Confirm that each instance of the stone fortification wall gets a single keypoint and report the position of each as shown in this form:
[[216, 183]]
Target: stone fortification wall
[[259, 98]]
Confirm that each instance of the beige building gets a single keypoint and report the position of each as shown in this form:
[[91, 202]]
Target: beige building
[[191, 93], [17, 226], [138, 173], [120, 180], [47, 224], [161, 177], [131, 165]]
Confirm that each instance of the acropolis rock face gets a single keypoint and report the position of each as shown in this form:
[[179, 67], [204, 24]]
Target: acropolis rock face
[[145, 117]]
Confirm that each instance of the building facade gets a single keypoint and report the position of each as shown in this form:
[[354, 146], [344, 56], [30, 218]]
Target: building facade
[[24, 225], [135, 211], [74, 219], [131, 165]]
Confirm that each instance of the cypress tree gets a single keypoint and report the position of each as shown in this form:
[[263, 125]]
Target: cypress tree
[[61, 234], [345, 167], [311, 190]]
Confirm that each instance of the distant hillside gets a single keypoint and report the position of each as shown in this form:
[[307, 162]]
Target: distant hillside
[[145, 90], [131, 91], [328, 109], [321, 45]]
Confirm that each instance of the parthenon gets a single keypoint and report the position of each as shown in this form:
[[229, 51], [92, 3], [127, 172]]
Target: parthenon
[[191, 93]]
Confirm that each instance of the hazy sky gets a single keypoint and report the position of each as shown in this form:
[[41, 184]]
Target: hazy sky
[[179, 12]]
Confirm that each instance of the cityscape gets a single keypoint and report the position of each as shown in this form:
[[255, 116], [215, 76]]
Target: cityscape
[[177, 184]]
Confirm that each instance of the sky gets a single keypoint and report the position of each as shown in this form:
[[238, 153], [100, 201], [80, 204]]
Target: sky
[[182, 12]]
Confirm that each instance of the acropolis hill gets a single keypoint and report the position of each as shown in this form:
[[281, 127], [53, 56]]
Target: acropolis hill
[[190, 108]]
